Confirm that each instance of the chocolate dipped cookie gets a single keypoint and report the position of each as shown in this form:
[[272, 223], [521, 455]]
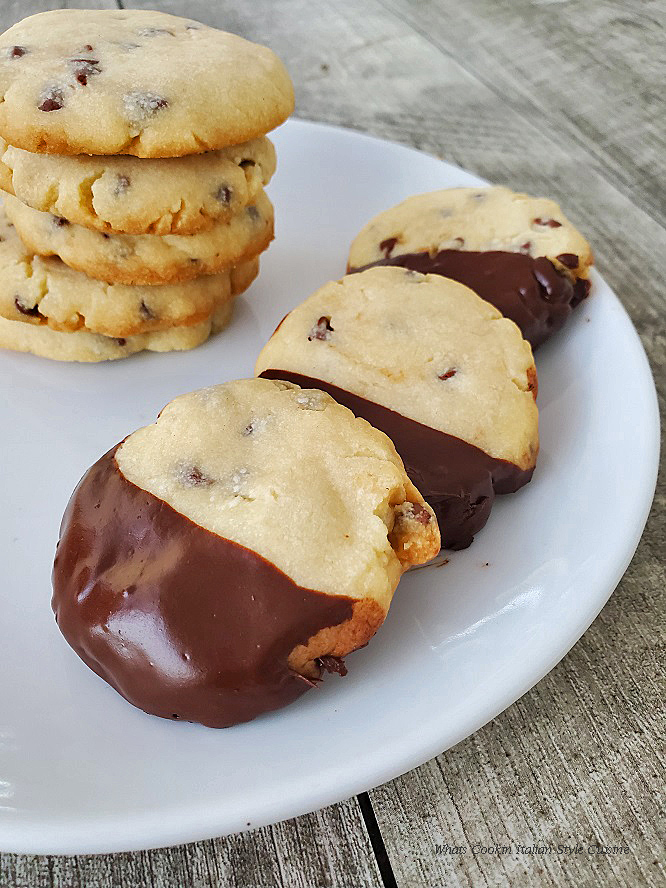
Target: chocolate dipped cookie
[[214, 564], [519, 253], [436, 368]]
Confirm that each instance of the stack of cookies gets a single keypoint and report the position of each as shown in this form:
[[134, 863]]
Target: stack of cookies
[[134, 157]]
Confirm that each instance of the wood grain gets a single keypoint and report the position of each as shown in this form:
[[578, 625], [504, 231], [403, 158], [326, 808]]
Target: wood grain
[[328, 849], [559, 97]]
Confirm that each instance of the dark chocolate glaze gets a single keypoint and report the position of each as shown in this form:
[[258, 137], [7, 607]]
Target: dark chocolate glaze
[[531, 292], [458, 479], [183, 623]]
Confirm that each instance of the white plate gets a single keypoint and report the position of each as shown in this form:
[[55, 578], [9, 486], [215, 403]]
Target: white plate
[[83, 771]]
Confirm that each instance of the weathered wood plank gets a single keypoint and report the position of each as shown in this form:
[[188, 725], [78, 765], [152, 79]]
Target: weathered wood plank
[[329, 849], [589, 73]]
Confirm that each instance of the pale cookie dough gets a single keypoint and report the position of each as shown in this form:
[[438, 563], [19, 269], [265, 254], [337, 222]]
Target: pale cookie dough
[[146, 258], [39, 291], [274, 455], [250, 538], [181, 195], [93, 347], [436, 368], [135, 82]]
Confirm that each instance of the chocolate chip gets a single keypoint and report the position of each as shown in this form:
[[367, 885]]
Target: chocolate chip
[[83, 69], [139, 105], [459, 242], [60, 221], [154, 32], [121, 185], [106, 236], [146, 313], [420, 513], [547, 223], [321, 330], [192, 476], [568, 259], [387, 246], [526, 247], [87, 48], [15, 52], [448, 374], [254, 213], [31, 312], [223, 194], [52, 99], [247, 164], [120, 341], [332, 664], [252, 427]]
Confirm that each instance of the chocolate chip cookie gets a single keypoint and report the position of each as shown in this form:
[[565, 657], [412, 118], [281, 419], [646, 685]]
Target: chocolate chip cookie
[[518, 252], [215, 563], [88, 347], [181, 195], [437, 368], [45, 292], [145, 259], [120, 81]]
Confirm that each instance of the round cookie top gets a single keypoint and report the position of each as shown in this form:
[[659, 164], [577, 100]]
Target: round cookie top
[[164, 195], [293, 476], [135, 82], [425, 347], [474, 219]]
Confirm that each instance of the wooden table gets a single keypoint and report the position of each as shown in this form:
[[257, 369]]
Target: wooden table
[[556, 97]]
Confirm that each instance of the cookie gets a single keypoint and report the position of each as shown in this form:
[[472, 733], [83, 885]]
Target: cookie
[[145, 259], [41, 291], [92, 347], [135, 82], [214, 563], [180, 195], [518, 252], [438, 369]]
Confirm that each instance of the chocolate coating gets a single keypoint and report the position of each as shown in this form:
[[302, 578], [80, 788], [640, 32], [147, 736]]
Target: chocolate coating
[[458, 479], [182, 622], [531, 292]]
